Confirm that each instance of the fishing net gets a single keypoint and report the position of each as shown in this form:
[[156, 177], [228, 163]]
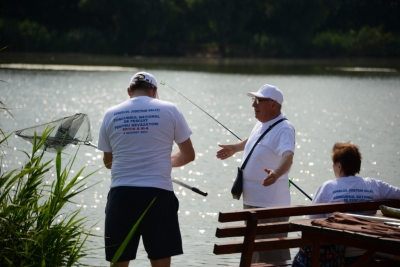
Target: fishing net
[[74, 129]]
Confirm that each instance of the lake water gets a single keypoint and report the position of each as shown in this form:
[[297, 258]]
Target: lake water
[[357, 105]]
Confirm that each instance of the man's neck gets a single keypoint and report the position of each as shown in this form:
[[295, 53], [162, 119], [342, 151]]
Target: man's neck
[[141, 93], [273, 117]]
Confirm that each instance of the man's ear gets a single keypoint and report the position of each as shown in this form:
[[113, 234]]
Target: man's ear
[[339, 165], [128, 91]]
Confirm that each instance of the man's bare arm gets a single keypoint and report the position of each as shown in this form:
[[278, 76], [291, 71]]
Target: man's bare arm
[[283, 167], [184, 155], [107, 159]]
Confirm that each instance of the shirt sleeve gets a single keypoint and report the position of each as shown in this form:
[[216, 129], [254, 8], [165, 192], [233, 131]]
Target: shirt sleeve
[[387, 191], [182, 130], [104, 142], [284, 141]]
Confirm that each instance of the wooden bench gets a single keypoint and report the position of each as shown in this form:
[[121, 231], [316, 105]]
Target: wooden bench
[[249, 230]]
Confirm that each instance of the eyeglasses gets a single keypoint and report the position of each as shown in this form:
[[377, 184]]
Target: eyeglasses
[[258, 100]]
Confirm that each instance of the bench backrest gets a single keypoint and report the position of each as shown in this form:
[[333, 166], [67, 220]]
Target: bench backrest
[[252, 228]]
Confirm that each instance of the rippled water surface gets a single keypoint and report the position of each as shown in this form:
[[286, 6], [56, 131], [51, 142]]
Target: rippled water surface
[[323, 108]]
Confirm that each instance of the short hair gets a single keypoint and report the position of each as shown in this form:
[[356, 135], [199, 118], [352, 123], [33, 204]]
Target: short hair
[[140, 85], [349, 156]]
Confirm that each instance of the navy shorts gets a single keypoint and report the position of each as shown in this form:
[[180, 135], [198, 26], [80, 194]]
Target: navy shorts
[[159, 228]]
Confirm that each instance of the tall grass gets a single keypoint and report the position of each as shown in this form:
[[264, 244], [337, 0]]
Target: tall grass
[[36, 229]]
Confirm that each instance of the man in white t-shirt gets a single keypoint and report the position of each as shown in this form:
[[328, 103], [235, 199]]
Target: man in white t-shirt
[[137, 138], [265, 177]]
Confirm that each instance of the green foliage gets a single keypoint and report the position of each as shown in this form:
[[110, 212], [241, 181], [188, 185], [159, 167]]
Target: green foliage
[[35, 227], [34, 34], [24, 35], [372, 41], [86, 40], [333, 44], [367, 42], [227, 28]]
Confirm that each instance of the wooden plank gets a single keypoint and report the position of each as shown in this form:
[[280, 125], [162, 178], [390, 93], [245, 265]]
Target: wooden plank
[[382, 263], [375, 218], [271, 264], [248, 242], [363, 259], [316, 243], [230, 231], [228, 248], [262, 229], [281, 243], [351, 239], [364, 237], [241, 215], [273, 228], [392, 242], [262, 244]]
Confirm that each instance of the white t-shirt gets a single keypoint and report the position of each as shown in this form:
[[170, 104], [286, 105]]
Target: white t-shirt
[[267, 154], [140, 133], [350, 189]]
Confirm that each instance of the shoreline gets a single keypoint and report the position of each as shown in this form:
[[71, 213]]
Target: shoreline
[[76, 58], [212, 64]]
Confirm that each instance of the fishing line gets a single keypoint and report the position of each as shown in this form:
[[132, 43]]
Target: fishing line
[[164, 83]]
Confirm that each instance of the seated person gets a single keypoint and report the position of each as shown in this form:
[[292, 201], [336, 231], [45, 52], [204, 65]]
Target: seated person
[[346, 187]]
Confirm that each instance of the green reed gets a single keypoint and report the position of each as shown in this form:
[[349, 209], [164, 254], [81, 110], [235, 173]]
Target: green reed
[[36, 228]]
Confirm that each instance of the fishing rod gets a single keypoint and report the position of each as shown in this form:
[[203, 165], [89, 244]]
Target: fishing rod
[[304, 193], [164, 83]]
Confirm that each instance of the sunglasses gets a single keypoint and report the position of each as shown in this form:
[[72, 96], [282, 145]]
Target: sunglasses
[[258, 100]]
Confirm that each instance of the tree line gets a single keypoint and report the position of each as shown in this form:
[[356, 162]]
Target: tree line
[[226, 28]]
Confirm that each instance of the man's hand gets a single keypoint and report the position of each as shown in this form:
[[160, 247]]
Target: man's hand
[[271, 178], [283, 167], [226, 151]]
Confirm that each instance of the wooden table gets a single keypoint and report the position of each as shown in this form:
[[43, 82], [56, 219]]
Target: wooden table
[[324, 236]]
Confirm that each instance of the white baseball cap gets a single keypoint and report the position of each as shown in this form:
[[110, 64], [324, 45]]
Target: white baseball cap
[[268, 91], [144, 77]]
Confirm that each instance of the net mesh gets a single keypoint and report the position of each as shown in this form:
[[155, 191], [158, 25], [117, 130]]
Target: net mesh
[[74, 129]]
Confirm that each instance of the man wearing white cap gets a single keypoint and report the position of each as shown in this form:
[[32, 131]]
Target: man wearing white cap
[[137, 138], [265, 177]]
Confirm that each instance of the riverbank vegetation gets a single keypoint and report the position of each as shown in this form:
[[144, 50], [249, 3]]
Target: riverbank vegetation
[[37, 228], [204, 28]]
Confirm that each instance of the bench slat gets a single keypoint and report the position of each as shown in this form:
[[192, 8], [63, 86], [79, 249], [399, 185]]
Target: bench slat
[[276, 212], [262, 229], [262, 244], [272, 264]]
